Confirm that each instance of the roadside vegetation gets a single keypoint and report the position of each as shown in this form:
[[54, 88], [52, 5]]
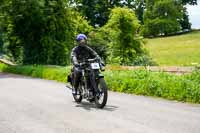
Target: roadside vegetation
[[184, 88], [2, 67]]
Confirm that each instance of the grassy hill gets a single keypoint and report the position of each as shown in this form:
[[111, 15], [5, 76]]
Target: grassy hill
[[181, 50]]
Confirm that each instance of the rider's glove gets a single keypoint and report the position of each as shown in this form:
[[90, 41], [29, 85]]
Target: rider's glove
[[100, 60], [76, 64], [102, 63]]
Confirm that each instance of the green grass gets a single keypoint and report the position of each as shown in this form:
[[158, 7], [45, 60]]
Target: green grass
[[2, 66], [181, 50], [45, 72], [182, 88]]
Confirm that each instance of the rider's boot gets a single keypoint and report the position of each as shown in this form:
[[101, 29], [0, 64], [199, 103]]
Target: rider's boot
[[91, 95], [74, 91]]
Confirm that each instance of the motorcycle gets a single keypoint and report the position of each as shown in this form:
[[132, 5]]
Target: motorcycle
[[92, 85]]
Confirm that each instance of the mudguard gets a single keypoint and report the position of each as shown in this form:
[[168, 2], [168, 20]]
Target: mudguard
[[100, 75], [69, 78]]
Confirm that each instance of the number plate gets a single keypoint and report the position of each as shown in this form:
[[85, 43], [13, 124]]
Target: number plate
[[95, 66]]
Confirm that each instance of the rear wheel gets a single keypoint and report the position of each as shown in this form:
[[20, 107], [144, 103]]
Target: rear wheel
[[102, 96]]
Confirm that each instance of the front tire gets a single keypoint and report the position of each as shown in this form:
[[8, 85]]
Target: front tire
[[78, 98], [101, 98]]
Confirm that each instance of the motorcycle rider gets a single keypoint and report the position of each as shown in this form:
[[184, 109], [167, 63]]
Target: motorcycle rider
[[80, 53]]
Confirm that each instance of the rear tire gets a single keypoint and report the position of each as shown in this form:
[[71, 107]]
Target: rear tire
[[103, 94]]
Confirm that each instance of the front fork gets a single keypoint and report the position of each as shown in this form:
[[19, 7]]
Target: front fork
[[94, 80]]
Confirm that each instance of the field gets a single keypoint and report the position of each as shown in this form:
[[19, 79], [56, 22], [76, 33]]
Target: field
[[181, 50]]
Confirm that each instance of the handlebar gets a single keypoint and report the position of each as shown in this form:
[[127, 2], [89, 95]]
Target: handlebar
[[89, 61], [86, 62]]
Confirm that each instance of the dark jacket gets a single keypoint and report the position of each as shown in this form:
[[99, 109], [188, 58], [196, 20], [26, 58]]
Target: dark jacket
[[81, 53]]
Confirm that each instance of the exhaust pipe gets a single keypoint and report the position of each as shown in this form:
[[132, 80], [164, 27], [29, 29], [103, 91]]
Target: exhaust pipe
[[69, 86]]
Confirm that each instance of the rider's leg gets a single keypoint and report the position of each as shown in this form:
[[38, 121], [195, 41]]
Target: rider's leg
[[76, 77], [90, 87]]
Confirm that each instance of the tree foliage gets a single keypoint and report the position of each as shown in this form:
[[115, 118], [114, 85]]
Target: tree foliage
[[184, 21], [122, 29], [137, 6], [97, 11], [2, 24], [1, 43], [191, 2], [98, 40], [42, 31], [162, 18]]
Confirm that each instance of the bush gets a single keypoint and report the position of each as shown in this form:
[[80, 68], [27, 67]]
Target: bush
[[124, 41], [143, 60], [52, 73], [2, 67], [182, 88]]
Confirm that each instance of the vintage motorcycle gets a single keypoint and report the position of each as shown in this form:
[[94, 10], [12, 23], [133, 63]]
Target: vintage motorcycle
[[92, 85]]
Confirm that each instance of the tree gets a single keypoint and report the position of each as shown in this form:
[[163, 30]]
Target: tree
[[57, 35], [1, 36], [2, 24], [191, 2], [162, 18], [136, 5], [97, 11], [98, 40], [41, 31], [140, 10], [122, 29], [184, 22], [80, 24], [1, 43]]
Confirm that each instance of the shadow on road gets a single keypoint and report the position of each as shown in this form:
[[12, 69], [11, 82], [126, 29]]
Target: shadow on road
[[16, 76], [6, 75], [89, 106]]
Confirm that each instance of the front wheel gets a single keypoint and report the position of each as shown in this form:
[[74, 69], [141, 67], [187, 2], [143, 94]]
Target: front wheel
[[78, 97], [102, 96]]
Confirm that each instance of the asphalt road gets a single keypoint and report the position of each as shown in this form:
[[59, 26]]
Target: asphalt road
[[29, 105]]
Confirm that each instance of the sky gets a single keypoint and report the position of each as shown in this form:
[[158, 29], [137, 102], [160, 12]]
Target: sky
[[194, 15]]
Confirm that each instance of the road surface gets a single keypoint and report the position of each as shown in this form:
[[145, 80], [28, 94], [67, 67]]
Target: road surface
[[29, 105]]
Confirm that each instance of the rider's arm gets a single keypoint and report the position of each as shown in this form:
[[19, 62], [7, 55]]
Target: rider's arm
[[95, 55], [74, 57]]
